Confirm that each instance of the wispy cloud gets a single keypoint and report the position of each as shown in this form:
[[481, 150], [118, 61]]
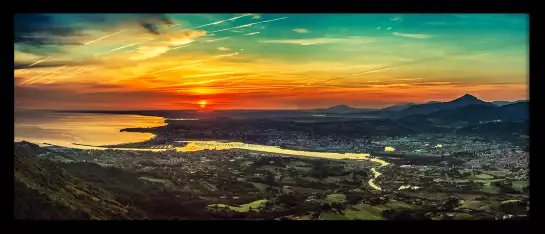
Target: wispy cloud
[[168, 41], [399, 18], [316, 41], [301, 30], [415, 36], [224, 48]]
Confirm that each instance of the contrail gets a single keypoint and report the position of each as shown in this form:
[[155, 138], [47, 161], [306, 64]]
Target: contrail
[[250, 24], [174, 68], [121, 47], [56, 78], [179, 47], [210, 74], [36, 78], [434, 58], [39, 61], [103, 37], [219, 39], [78, 71], [226, 55], [212, 40], [217, 22], [208, 81], [253, 33], [234, 82]]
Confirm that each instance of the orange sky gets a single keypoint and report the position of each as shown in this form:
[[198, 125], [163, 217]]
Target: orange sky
[[264, 61]]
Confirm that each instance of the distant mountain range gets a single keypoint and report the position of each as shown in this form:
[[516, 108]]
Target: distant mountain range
[[467, 109], [503, 103], [342, 109]]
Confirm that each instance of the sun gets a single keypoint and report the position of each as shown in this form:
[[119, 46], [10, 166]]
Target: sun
[[202, 103]]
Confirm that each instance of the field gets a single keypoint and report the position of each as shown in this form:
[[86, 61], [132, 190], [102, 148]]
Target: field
[[481, 177], [519, 185], [365, 211], [154, 180], [396, 205], [256, 206], [339, 198]]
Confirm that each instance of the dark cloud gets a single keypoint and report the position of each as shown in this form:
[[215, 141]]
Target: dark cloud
[[154, 22], [151, 27], [40, 30], [18, 65]]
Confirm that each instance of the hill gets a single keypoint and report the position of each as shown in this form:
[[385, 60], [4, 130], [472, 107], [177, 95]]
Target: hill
[[342, 109], [463, 101], [504, 130], [474, 114], [400, 111], [45, 191], [503, 103], [398, 107]]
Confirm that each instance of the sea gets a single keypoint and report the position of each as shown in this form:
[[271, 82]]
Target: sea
[[65, 129]]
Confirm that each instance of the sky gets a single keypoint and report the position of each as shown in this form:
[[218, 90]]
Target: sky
[[265, 61]]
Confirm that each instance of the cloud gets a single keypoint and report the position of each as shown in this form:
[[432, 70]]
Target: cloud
[[315, 41], [146, 52], [301, 30], [154, 22], [223, 48], [399, 18], [21, 65], [169, 40], [41, 30], [415, 36], [256, 16]]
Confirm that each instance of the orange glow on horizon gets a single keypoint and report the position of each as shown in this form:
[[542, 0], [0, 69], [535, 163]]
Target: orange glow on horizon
[[203, 104]]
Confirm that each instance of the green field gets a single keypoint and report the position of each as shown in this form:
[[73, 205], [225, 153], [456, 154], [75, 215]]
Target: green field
[[154, 180], [260, 186], [364, 212], [484, 181], [393, 204], [358, 212], [256, 206], [462, 216], [481, 177], [340, 198], [490, 189], [473, 205], [520, 184]]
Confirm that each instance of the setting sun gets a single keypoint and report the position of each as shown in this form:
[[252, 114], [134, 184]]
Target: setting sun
[[202, 103]]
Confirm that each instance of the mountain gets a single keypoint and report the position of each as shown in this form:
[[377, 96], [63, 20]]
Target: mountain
[[503, 103], [342, 109], [474, 114], [516, 111], [465, 100], [500, 103], [505, 130], [470, 114], [398, 107]]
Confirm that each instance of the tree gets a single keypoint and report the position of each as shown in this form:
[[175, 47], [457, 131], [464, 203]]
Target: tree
[[326, 207]]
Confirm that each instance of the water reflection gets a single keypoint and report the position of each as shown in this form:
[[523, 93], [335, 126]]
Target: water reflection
[[63, 129]]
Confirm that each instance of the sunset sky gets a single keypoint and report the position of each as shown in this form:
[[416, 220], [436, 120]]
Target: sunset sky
[[266, 61]]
